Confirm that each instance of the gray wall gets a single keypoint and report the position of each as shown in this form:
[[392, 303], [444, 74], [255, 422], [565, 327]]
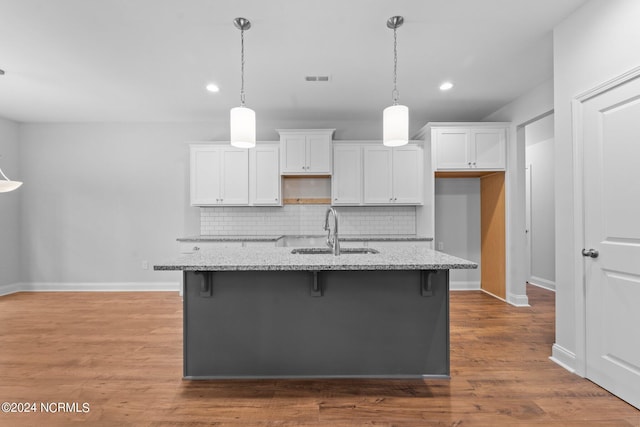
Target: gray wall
[[457, 225], [540, 161], [10, 206], [99, 199]]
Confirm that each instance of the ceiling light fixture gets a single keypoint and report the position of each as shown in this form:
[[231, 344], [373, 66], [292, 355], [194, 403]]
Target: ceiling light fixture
[[7, 185], [446, 86], [242, 119], [213, 88], [395, 119]]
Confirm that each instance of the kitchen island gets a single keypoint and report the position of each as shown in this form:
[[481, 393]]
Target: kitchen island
[[266, 312]]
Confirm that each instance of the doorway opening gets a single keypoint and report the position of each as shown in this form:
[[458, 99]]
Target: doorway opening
[[540, 202]]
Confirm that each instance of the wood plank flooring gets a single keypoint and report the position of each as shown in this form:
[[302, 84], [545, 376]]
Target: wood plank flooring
[[122, 354]]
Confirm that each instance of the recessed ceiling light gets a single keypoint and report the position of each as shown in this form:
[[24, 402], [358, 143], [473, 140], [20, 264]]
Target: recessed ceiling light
[[446, 86], [213, 88]]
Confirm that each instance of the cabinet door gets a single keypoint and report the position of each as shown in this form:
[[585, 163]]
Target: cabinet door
[[346, 183], [407, 175], [205, 176], [488, 146], [264, 172], [293, 156], [235, 176], [452, 149], [319, 154], [378, 177]]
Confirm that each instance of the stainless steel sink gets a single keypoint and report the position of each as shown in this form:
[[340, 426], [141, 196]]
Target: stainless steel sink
[[325, 251], [305, 241]]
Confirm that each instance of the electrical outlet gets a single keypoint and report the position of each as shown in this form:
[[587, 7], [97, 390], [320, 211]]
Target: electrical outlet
[[440, 246], [145, 264]]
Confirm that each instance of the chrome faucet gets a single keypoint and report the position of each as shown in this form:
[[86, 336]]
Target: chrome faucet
[[332, 238]]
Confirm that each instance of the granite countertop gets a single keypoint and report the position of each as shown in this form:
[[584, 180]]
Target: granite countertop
[[345, 238], [281, 259]]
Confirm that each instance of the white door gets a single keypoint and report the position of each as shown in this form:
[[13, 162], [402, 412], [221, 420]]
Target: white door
[[293, 155], [205, 176], [452, 149], [407, 174], [611, 141], [264, 172], [528, 208], [346, 183], [488, 148], [319, 154], [377, 175], [235, 176]]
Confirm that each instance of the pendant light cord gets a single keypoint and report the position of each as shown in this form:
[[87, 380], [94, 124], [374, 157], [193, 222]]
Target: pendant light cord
[[242, 67], [395, 93]]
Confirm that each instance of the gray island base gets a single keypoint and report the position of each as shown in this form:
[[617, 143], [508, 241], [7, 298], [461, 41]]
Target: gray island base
[[380, 315]]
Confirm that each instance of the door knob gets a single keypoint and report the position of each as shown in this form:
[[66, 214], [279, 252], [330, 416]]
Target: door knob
[[590, 253]]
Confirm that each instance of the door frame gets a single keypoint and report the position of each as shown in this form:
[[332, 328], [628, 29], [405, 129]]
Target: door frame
[[580, 300]]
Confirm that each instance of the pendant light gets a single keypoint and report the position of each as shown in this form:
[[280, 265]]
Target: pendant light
[[395, 119], [7, 185], [242, 119]]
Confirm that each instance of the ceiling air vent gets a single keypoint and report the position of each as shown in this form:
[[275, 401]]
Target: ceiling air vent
[[317, 78]]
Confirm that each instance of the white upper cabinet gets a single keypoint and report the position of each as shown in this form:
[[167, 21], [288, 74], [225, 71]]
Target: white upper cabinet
[[264, 175], [468, 147], [219, 175], [305, 151], [408, 174], [346, 182], [393, 175]]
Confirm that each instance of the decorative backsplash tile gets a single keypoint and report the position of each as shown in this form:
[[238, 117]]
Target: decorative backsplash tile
[[306, 219]]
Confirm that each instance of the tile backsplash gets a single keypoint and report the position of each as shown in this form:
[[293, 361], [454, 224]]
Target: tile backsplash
[[305, 219]]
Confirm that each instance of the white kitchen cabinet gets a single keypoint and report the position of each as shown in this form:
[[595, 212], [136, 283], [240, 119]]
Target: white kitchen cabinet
[[393, 175], [219, 175], [305, 152], [346, 182], [407, 174], [465, 148], [264, 175]]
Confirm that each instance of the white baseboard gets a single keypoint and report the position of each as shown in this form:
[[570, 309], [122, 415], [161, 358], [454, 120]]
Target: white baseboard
[[9, 289], [464, 286], [518, 300], [542, 283], [563, 357], [92, 287]]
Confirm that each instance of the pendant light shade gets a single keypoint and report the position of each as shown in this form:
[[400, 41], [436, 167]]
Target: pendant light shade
[[395, 119], [243, 127], [7, 185], [395, 125], [242, 119]]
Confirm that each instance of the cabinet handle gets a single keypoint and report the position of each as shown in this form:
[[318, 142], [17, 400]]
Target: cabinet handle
[[469, 164], [474, 163], [195, 248], [276, 199]]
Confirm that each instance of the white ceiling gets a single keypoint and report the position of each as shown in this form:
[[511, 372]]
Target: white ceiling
[[149, 60]]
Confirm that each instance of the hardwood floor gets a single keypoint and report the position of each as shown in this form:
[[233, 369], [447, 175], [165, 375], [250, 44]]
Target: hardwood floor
[[122, 354]]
